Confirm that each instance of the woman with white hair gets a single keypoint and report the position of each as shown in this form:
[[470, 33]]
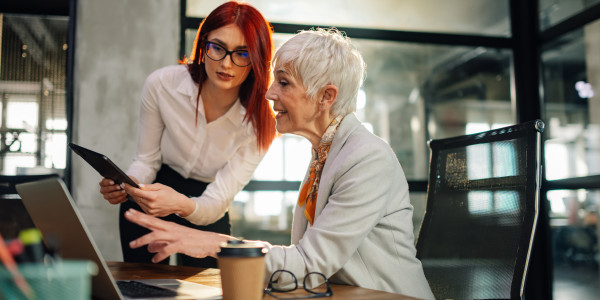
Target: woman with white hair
[[353, 221]]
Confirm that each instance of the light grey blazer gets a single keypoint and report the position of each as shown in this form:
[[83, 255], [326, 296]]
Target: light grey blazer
[[362, 234]]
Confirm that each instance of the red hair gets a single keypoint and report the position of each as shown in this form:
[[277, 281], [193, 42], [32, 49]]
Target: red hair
[[258, 35]]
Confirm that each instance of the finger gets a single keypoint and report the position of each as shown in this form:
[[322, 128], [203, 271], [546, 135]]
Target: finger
[[117, 200], [140, 202], [110, 188], [159, 257], [144, 220], [106, 182], [143, 204], [135, 191], [144, 207], [155, 247], [137, 199], [164, 250], [151, 187], [114, 194], [152, 239], [141, 241], [143, 196], [129, 189]]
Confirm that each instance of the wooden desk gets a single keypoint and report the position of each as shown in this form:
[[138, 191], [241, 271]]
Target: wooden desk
[[212, 277]]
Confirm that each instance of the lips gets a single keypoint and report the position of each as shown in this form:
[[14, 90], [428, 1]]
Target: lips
[[224, 76], [280, 113]]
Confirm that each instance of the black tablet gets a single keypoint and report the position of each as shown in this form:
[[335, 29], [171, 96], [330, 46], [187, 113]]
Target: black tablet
[[103, 165]]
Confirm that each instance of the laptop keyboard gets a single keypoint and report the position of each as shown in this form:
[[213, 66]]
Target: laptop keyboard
[[136, 289]]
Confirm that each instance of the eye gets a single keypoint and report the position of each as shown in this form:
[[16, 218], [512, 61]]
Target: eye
[[242, 54], [212, 47], [283, 82]]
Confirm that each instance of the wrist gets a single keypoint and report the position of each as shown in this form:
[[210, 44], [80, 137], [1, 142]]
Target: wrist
[[188, 208]]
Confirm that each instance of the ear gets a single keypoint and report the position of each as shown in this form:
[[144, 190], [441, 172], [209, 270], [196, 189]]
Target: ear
[[328, 96]]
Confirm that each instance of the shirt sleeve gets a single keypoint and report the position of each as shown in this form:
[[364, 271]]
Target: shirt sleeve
[[354, 207], [147, 159], [237, 172]]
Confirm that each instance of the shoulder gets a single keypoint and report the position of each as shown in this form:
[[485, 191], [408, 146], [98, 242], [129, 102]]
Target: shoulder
[[169, 75], [355, 141]]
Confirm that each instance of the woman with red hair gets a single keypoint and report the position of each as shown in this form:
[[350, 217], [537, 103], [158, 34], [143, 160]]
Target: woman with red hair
[[204, 127]]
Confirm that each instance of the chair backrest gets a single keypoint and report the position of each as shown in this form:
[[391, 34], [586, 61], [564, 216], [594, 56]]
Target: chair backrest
[[13, 215], [482, 208], [9, 182]]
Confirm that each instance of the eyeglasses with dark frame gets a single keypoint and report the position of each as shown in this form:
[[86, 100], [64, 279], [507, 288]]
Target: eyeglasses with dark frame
[[216, 52], [313, 293]]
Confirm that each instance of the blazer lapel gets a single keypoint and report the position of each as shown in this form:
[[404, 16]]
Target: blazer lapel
[[300, 223]]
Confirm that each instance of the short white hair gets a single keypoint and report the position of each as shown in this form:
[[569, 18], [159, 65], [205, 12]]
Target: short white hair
[[325, 56]]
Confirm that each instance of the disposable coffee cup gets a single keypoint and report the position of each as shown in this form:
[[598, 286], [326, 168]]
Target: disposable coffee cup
[[242, 265]]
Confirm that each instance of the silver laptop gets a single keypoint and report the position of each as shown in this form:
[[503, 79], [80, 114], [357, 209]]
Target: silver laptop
[[54, 213]]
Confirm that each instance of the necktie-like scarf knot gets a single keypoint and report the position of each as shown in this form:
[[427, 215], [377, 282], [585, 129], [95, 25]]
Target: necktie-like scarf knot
[[310, 188]]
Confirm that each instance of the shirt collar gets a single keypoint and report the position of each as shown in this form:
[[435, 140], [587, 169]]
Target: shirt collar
[[189, 88]]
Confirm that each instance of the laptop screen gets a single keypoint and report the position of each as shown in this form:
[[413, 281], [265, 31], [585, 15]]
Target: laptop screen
[[53, 212]]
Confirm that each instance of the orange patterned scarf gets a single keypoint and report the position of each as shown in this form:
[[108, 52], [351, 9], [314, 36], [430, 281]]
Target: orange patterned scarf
[[308, 193]]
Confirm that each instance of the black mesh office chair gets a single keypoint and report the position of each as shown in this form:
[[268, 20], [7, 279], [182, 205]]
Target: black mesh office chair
[[482, 207], [13, 215]]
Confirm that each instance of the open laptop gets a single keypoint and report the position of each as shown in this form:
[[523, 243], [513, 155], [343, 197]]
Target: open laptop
[[54, 213]]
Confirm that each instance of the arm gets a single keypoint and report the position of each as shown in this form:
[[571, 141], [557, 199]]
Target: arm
[[160, 200], [356, 203], [237, 172], [148, 159], [167, 238]]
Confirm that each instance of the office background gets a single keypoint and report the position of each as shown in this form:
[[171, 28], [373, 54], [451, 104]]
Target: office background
[[73, 71]]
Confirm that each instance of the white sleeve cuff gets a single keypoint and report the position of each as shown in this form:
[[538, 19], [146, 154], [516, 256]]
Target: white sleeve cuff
[[193, 213]]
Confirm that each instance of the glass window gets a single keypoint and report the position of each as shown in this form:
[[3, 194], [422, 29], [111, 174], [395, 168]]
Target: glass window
[[571, 80], [553, 12], [287, 159], [417, 92], [488, 17], [573, 223], [32, 91], [419, 203], [267, 215], [454, 90], [571, 77], [412, 93], [462, 90], [263, 215]]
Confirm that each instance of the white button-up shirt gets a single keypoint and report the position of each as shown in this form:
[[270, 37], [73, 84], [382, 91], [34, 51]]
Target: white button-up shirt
[[223, 152]]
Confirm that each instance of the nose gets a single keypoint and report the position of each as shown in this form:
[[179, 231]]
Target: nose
[[270, 95], [227, 61]]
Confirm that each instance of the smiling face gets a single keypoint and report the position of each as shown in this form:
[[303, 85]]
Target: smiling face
[[224, 74], [295, 112]]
